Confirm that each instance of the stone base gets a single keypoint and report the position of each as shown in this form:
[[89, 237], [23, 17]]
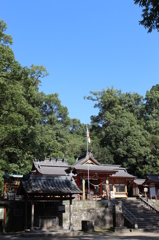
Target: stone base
[[120, 229], [71, 228], [48, 222]]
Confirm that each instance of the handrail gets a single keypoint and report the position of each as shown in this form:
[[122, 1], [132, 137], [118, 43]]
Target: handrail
[[147, 202], [153, 203], [128, 215]]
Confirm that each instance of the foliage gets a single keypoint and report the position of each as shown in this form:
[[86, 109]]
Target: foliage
[[150, 14], [32, 124], [35, 125], [19, 109], [125, 127]]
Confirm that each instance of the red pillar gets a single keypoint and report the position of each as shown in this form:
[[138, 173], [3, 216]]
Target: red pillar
[[100, 191], [78, 181]]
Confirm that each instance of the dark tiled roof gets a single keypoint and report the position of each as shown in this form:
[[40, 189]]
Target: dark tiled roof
[[122, 173], [116, 169], [153, 178], [139, 181], [51, 167], [58, 167], [55, 171], [96, 168], [12, 176], [84, 159], [48, 185], [51, 162], [113, 166]]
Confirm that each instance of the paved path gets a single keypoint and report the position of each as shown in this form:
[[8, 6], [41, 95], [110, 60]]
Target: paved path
[[93, 236]]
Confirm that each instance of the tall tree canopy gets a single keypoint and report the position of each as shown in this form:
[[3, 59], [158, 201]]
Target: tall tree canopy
[[32, 124], [19, 108], [122, 130], [150, 14]]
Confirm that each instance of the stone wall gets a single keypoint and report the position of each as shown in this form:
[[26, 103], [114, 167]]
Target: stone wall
[[101, 212], [46, 215]]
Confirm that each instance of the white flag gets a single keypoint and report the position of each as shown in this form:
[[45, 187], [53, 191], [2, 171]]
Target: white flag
[[88, 137]]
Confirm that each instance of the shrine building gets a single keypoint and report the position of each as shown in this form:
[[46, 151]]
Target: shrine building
[[91, 177]]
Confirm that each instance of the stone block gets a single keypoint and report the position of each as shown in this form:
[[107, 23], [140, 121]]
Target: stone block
[[118, 216], [87, 225]]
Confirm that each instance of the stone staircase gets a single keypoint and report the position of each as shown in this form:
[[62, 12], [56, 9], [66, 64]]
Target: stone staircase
[[147, 218]]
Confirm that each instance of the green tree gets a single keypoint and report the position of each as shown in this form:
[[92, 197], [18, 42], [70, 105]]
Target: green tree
[[152, 111], [119, 128], [150, 14], [152, 125], [54, 129], [19, 109]]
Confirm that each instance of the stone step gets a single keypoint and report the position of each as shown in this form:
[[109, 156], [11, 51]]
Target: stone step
[[146, 218], [144, 223], [147, 222], [147, 226], [145, 215], [140, 209]]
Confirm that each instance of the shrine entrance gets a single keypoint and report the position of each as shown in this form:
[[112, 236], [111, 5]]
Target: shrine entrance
[[43, 197]]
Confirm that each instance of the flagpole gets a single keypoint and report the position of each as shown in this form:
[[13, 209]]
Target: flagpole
[[87, 143], [88, 165]]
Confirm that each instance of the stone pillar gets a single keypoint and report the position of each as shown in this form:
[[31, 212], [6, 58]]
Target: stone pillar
[[83, 184], [32, 216], [70, 208], [119, 218], [3, 222]]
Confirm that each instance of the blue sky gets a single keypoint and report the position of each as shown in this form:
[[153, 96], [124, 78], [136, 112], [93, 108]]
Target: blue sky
[[85, 45]]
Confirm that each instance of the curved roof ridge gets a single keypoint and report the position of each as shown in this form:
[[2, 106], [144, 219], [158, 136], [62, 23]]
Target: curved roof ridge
[[84, 159]]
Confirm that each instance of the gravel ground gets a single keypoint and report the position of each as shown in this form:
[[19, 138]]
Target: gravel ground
[[92, 236]]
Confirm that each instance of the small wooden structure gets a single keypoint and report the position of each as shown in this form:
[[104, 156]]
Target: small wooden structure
[[152, 181], [47, 189], [40, 204], [11, 185], [138, 187]]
